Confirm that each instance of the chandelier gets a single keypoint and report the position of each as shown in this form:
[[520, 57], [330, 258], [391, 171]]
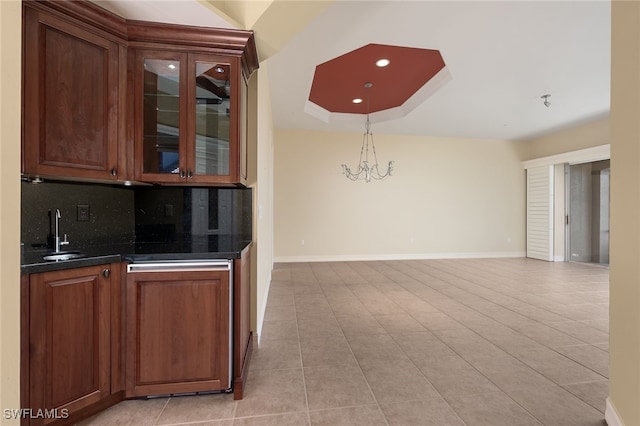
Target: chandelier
[[367, 170]]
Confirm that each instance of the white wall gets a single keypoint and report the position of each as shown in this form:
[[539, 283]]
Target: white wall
[[446, 198], [587, 135], [264, 196]]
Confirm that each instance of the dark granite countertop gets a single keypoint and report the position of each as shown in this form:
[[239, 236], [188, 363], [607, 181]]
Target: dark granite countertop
[[97, 253]]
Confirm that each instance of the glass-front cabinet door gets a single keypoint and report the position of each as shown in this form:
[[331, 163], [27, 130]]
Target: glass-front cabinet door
[[187, 118], [211, 97], [161, 116]]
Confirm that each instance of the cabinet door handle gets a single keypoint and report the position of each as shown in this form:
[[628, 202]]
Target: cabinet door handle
[[113, 172], [181, 174], [189, 174], [106, 273]]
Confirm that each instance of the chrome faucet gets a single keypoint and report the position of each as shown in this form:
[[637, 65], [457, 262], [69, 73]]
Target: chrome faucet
[[57, 242]]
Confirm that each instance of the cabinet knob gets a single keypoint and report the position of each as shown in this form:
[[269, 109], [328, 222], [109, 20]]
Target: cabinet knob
[[181, 174], [113, 172], [189, 174], [106, 273]]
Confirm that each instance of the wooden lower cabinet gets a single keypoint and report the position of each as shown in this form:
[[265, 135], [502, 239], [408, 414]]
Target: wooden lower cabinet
[[243, 337], [178, 331], [69, 347]]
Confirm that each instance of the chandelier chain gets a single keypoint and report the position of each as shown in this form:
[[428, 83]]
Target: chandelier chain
[[365, 171]]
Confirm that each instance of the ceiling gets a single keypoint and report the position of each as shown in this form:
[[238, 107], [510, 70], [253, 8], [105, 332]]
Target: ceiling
[[501, 57], [364, 81]]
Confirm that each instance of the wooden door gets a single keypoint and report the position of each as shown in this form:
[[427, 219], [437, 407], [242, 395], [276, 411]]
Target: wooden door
[[177, 332], [69, 339], [71, 90]]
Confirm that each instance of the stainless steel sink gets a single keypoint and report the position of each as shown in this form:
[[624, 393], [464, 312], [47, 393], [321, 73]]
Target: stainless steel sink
[[59, 257]]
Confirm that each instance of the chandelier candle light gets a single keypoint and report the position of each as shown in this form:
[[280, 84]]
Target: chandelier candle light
[[365, 170]]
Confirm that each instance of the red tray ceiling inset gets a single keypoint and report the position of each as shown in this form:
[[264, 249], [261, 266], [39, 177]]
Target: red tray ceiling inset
[[338, 81]]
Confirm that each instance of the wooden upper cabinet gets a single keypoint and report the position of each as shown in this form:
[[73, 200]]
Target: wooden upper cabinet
[[109, 99], [73, 78], [189, 103]]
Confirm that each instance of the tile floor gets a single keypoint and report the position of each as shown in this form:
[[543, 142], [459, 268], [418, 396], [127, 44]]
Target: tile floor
[[422, 342]]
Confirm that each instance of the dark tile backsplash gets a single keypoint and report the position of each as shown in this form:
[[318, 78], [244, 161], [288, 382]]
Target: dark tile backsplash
[[111, 212], [143, 214], [178, 213]]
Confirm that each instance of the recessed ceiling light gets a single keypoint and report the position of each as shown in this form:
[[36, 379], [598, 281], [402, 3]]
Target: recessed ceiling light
[[171, 67], [382, 62], [357, 101]]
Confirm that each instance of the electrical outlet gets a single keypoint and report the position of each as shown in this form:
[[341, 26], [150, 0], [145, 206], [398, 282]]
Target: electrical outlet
[[83, 212]]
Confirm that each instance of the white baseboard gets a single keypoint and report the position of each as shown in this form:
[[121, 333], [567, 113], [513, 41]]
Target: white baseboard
[[405, 256], [558, 258], [611, 415]]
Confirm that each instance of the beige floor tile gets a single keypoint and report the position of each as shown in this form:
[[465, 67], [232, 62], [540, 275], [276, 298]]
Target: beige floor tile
[[336, 386], [310, 298], [452, 375], [589, 356], [554, 406], [307, 289], [584, 331], [316, 313], [289, 419], [279, 330], [272, 392], [276, 354], [548, 336], [422, 344], [430, 412], [129, 413], [415, 305], [363, 288], [337, 292], [279, 313], [436, 320], [311, 329], [365, 415], [361, 325], [348, 308], [399, 323], [397, 381], [276, 300], [327, 350], [559, 368], [600, 324], [490, 409], [375, 347], [603, 346], [593, 393], [586, 312], [508, 373], [467, 342], [386, 307], [185, 409], [228, 422]]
